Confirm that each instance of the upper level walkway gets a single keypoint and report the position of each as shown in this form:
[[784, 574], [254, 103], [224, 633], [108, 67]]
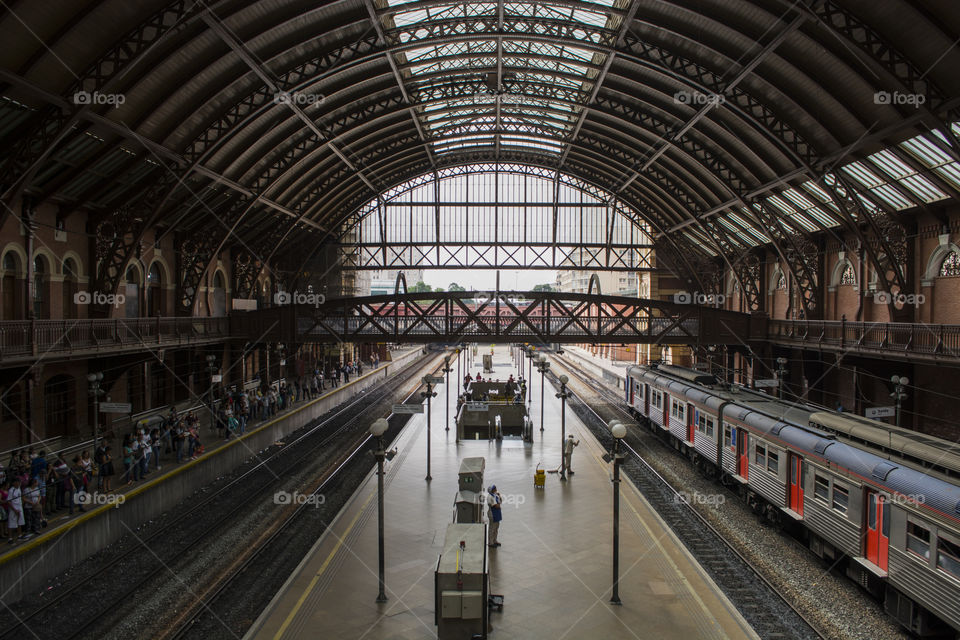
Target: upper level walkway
[[506, 316], [450, 317]]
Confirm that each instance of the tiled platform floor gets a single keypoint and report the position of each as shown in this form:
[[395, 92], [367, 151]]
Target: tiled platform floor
[[554, 567]]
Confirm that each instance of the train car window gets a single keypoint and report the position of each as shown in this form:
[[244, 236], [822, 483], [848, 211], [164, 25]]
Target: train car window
[[760, 456], [841, 498], [773, 461], [918, 540], [948, 556], [821, 489], [884, 518], [710, 427], [872, 511], [727, 435]]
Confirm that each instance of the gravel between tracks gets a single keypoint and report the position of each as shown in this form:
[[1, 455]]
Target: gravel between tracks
[[841, 610]]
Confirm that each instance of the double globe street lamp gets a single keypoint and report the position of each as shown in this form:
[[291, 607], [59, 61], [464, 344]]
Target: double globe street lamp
[[618, 431], [377, 429]]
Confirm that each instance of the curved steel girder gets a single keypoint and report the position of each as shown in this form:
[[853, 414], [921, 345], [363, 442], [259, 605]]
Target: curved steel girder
[[312, 207], [378, 125], [798, 252], [880, 50], [857, 218], [52, 124], [392, 50]]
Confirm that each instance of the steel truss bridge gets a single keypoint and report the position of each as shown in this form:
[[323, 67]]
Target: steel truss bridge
[[507, 316]]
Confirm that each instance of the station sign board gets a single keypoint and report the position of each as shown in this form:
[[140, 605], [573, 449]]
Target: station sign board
[[434, 379], [880, 412], [478, 406], [116, 407], [408, 408], [765, 383]]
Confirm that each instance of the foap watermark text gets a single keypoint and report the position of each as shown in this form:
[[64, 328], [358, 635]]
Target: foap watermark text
[[686, 297], [114, 300], [295, 297]]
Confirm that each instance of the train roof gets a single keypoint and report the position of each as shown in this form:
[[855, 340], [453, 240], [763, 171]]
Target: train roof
[[927, 452], [810, 429]]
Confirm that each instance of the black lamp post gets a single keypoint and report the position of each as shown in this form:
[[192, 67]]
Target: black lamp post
[[618, 431], [212, 369], [446, 370], [781, 375], [542, 367], [428, 394], [377, 429], [563, 395], [899, 395], [95, 379], [530, 355]]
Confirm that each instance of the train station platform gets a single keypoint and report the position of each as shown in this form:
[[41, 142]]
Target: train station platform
[[31, 564], [553, 568]]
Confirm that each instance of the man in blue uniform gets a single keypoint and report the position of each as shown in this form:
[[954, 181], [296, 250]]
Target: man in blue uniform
[[494, 500]]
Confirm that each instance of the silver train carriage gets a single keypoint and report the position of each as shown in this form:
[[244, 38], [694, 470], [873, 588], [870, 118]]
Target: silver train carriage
[[883, 499]]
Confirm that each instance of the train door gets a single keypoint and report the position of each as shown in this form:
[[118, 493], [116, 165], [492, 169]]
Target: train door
[[646, 399], [691, 416], [665, 411], [796, 484], [633, 390], [743, 453], [878, 529]]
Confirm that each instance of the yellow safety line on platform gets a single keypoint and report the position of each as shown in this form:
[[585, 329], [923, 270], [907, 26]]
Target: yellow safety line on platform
[[64, 528], [323, 567]]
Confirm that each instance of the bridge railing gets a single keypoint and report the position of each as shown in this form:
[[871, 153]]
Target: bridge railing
[[33, 338], [903, 337]]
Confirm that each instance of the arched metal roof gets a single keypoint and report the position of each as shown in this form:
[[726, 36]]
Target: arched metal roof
[[254, 122]]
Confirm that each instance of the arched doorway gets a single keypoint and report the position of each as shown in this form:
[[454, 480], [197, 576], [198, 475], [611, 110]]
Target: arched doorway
[[59, 400], [155, 306], [71, 276], [132, 292], [11, 274], [219, 296]]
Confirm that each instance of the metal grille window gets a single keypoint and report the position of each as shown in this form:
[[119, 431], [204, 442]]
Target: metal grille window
[[841, 498], [821, 489], [760, 456], [948, 556], [918, 540], [950, 266], [773, 461], [781, 282]]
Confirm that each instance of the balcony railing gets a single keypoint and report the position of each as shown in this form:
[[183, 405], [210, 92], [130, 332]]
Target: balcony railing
[[26, 339], [940, 341]]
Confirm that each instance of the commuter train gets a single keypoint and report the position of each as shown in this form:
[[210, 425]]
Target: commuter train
[[880, 501]]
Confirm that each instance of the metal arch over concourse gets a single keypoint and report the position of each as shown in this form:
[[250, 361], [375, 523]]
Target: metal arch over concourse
[[259, 128], [506, 316]]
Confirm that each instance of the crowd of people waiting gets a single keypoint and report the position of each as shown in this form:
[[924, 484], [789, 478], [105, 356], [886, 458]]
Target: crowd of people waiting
[[32, 487]]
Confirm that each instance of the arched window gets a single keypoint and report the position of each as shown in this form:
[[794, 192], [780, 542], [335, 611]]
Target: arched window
[[950, 265], [70, 281], [11, 292], [781, 282], [848, 277], [132, 302], [219, 296], [154, 291], [39, 286]]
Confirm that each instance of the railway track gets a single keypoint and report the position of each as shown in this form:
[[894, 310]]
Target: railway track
[[77, 610], [757, 599], [244, 573]]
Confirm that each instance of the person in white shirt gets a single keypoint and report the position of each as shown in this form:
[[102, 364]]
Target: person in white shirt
[[568, 446], [15, 518]]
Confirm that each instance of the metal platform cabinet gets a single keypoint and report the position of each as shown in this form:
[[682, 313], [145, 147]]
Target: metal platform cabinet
[[468, 507], [462, 584], [470, 477]]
